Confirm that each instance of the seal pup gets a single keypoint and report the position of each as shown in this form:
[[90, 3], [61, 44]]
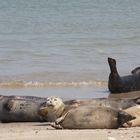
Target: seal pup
[[84, 117], [135, 111], [20, 110], [118, 84]]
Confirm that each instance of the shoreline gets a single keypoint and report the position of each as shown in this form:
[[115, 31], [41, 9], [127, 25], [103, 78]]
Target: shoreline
[[39, 131]]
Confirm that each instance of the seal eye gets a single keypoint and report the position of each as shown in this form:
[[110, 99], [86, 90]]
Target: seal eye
[[55, 99]]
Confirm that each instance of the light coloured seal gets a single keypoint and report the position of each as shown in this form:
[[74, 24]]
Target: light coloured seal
[[69, 104], [53, 109], [84, 117], [135, 111]]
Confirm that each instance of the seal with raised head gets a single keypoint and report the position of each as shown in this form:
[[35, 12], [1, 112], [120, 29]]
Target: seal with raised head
[[52, 109], [135, 111], [84, 117], [118, 84], [98, 102]]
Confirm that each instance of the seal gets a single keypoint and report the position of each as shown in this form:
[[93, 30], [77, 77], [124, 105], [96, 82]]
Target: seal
[[118, 84], [115, 103], [87, 117], [19, 110], [36, 99], [84, 117], [135, 111]]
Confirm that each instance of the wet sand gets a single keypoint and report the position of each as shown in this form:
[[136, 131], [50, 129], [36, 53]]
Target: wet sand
[[39, 131]]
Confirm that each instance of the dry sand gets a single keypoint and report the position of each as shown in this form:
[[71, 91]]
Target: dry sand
[[39, 131]]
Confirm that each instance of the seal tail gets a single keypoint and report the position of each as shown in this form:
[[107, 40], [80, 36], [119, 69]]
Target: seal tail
[[124, 117]]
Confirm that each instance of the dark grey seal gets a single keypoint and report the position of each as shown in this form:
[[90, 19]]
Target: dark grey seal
[[17, 109], [118, 84]]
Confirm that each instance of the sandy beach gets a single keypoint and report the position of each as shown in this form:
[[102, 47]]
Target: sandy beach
[[39, 131]]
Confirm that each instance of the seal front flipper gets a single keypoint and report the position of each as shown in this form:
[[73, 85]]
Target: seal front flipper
[[54, 125], [61, 119], [136, 71]]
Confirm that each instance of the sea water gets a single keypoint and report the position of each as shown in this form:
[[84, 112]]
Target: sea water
[[60, 47]]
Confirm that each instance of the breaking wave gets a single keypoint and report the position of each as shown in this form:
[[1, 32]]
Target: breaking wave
[[36, 84]]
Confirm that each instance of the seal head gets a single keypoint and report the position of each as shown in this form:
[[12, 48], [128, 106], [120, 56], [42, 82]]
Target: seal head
[[53, 109]]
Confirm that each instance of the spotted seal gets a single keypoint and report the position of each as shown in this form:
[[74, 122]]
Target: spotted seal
[[115, 103], [13, 109], [118, 84], [36, 99], [84, 117]]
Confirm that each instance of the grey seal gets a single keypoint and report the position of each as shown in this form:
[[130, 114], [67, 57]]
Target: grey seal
[[19, 110], [84, 117], [36, 99], [119, 84], [56, 102], [116, 103]]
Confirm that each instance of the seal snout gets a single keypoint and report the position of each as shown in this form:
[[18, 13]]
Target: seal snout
[[111, 60], [54, 102]]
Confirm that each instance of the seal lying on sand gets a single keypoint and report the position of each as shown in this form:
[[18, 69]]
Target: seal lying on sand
[[31, 98], [84, 117], [99, 102], [117, 84], [19, 110], [115, 103], [135, 111]]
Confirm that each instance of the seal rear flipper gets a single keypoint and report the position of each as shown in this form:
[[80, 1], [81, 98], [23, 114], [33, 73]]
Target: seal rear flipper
[[124, 117], [136, 71]]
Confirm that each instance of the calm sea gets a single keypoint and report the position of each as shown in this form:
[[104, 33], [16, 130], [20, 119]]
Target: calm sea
[[60, 47]]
